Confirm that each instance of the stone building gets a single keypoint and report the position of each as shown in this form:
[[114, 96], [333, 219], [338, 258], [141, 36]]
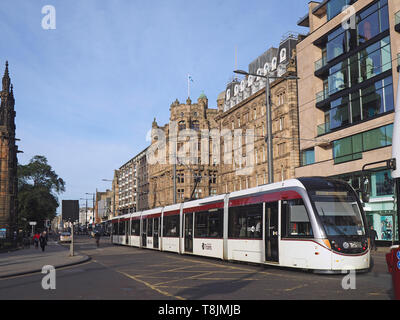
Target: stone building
[[183, 139], [348, 69], [8, 157], [243, 107]]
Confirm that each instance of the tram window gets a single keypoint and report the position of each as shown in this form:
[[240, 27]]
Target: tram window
[[246, 222], [171, 226], [149, 227], [115, 228], [295, 220], [121, 228], [208, 224], [135, 228]]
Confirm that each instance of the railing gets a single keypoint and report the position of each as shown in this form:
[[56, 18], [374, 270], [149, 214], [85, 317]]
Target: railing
[[320, 63], [322, 95], [323, 128]]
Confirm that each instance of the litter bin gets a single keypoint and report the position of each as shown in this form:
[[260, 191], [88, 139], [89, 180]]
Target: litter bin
[[393, 262]]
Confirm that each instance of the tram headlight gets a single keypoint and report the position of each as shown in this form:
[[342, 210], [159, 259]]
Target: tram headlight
[[327, 243]]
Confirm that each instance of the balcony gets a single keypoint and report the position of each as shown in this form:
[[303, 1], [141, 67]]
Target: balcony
[[320, 63], [321, 96], [397, 21], [323, 128]]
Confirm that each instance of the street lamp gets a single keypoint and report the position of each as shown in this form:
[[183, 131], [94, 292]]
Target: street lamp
[[269, 117]]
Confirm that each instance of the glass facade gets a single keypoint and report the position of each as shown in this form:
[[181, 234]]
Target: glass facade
[[364, 65], [351, 148], [381, 209], [334, 7], [362, 104]]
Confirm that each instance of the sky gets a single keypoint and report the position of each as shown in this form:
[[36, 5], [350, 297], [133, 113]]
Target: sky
[[87, 91]]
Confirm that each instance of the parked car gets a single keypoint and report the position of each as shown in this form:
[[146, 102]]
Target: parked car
[[65, 237]]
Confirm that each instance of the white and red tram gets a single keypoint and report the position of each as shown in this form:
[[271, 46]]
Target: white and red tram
[[309, 223]]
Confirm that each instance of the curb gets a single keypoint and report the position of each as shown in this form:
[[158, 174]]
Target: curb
[[85, 259]]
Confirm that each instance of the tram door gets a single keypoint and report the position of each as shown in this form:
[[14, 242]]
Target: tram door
[[156, 224], [271, 232], [144, 233], [189, 232]]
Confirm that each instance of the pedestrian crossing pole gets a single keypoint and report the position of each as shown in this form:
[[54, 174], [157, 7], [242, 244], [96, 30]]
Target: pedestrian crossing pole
[[71, 247]]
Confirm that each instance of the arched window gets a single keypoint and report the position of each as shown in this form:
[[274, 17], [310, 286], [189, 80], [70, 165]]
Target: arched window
[[181, 125], [196, 125]]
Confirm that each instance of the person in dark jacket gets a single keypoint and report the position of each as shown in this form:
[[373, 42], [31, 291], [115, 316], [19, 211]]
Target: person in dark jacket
[[372, 236], [43, 241]]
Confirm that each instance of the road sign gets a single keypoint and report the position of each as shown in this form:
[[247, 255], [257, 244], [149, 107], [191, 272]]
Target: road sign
[[32, 223]]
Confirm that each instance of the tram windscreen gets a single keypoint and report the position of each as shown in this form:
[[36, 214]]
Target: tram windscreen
[[339, 212]]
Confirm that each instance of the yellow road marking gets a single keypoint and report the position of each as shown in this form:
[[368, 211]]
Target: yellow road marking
[[151, 286]]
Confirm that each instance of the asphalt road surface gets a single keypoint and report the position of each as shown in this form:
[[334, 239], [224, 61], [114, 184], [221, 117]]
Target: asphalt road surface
[[126, 273]]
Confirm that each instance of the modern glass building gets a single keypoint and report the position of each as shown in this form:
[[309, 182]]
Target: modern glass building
[[347, 95]]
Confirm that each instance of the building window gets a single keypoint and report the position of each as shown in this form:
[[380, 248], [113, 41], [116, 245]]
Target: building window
[[307, 157], [351, 148], [196, 125], [181, 125], [281, 149], [181, 194], [180, 177]]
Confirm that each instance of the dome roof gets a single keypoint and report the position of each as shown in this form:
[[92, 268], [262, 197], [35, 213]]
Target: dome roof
[[221, 96], [203, 96]]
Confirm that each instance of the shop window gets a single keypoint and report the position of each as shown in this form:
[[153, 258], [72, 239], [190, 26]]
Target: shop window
[[384, 183]]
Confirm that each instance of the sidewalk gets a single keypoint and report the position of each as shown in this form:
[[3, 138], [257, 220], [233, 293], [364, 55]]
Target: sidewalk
[[32, 260]]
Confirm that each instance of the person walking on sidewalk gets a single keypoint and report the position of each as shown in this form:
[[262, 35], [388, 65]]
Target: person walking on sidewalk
[[372, 236], [43, 241], [97, 237], [36, 239]]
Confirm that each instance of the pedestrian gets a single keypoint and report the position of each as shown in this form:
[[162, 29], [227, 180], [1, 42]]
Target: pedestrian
[[372, 236], [36, 240], [97, 237], [43, 241]]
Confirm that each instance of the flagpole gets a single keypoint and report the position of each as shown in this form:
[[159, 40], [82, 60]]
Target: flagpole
[[188, 85]]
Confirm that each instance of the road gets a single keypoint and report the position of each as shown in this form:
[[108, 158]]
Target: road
[[125, 273]]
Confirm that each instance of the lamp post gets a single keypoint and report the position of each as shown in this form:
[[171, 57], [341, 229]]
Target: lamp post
[[268, 138]]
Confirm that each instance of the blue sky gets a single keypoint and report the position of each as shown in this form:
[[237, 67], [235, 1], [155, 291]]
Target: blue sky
[[87, 92]]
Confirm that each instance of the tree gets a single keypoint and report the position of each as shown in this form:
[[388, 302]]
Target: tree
[[38, 186]]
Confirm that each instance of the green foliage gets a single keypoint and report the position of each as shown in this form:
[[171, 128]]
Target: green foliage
[[38, 186]]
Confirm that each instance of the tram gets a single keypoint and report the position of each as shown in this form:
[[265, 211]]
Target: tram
[[311, 223]]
